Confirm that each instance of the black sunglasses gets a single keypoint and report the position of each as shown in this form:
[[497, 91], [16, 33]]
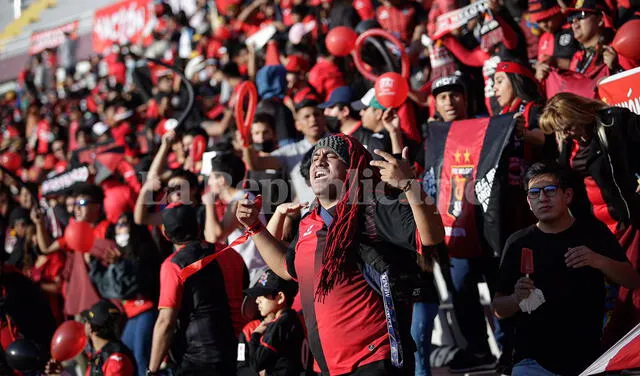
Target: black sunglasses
[[579, 16], [82, 202], [549, 191], [173, 189]]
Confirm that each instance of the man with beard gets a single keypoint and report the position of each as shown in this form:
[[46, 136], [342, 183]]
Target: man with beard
[[344, 315]]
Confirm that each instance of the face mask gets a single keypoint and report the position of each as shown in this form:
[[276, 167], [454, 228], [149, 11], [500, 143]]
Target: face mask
[[122, 240], [266, 146], [333, 123]]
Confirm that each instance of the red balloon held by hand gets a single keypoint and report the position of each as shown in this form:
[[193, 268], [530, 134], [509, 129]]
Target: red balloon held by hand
[[341, 40], [391, 89], [79, 236], [627, 40], [68, 341]]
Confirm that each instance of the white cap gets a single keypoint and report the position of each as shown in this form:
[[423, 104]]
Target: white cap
[[365, 101]]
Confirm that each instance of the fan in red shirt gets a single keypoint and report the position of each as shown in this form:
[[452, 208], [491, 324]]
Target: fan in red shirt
[[344, 316], [111, 357]]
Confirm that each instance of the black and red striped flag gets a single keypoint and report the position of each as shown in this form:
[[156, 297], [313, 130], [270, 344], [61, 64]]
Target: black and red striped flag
[[462, 160]]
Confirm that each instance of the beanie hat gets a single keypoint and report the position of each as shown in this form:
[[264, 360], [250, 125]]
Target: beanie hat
[[337, 145]]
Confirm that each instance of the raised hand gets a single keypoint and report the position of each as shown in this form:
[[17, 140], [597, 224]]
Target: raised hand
[[248, 211], [395, 172]]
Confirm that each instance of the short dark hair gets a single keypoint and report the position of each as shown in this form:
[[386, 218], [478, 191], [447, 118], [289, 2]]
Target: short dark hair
[[187, 175], [94, 192], [108, 331], [265, 118], [230, 165], [548, 168]]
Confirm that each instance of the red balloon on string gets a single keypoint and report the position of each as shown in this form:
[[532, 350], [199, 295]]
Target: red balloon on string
[[391, 89], [11, 161], [246, 90], [68, 341], [627, 40], [79, 236], [341, 40]]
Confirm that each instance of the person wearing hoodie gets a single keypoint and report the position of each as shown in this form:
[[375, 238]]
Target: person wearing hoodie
[[271, 83]]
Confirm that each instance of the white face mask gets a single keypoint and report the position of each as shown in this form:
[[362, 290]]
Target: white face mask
[[122, 240]]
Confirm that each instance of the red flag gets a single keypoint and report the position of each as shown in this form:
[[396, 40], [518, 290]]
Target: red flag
[[574, 82], [623, 355]]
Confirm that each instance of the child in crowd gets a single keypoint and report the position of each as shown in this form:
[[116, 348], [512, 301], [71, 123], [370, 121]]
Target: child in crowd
[[275, 344]]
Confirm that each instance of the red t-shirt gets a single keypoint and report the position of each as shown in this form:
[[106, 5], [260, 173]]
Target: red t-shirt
[[348, 328], [117, 364]]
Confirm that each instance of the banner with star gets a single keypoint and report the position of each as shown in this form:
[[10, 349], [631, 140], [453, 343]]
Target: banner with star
[[462, 160]]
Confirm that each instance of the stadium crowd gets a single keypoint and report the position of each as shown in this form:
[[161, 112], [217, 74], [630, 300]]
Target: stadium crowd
[[309, 244]]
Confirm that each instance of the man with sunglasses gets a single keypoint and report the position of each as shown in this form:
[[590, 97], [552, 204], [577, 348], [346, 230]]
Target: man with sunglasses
[[593, 29], [87, 207], [571, 259]]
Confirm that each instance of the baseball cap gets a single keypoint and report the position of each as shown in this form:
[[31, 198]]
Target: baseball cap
[[270, 283], [542, 9], [447, 83], [339, 95], [591, 6], [365, 101], [180, 222], [102, 313]]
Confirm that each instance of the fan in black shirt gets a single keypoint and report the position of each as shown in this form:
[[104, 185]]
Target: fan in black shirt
[[571, 260]]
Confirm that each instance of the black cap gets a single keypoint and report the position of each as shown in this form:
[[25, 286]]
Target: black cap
[[270, 283], [592, 6], [102, 313], [448, 83], [180, 222]]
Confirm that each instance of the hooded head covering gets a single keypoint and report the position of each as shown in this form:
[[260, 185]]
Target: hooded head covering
[[271, 81], [343, 230]]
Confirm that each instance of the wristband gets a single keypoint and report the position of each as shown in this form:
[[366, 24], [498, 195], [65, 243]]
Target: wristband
[[151, 373], [255, 229], [407, 187]]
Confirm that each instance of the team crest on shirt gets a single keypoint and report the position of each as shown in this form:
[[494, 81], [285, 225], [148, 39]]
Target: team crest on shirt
[[564, 40], [263, 279], [461, 174]]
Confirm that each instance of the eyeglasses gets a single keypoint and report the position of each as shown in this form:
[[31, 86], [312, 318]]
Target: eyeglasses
[[578, 16], [83, 202], [549, 191], [173, 189], [122, 224]]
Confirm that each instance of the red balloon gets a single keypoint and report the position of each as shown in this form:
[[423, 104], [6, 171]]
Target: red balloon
[[357, 56], [68, 341], [627, 40], [391, 89], [79, 236], [11, 161], [341, 40]]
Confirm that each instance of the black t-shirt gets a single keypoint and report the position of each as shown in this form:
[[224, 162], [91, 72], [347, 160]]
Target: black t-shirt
[[278, 349], [563, 334]]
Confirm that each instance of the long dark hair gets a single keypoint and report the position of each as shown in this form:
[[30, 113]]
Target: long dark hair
[[525, 88]]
